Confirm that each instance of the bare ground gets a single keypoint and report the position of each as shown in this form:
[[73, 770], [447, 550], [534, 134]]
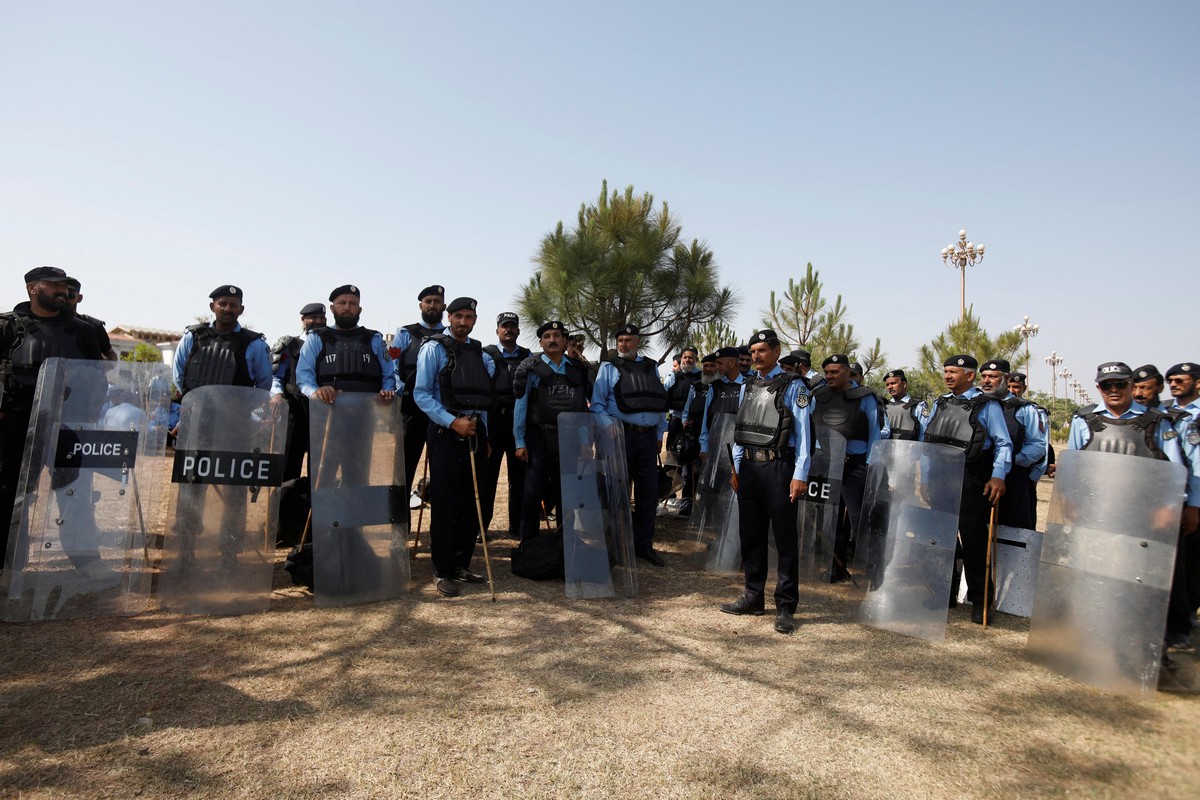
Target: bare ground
[[535, 696]]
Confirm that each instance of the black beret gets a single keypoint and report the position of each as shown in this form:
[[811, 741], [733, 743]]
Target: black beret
[[743, 350], [895, 373], [1113, 371], [688, 349], [962, 360], [313, 310], [552, 325], [997, 365], [461, 304], [347, 288], [1017, 376], [836, 358], [1185, 368], [728, 352], [228, 290], [52, 274], [1146, 373], [630, 330], [710, 358], [507, 316], [802, 355], [73, 283], [428, 290], [790, 360], [856, 367], [765, 335]]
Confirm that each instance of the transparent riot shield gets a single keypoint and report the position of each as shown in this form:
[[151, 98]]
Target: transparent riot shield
[[817, 512], [91, 477], [909, 527], [1105, 574], [596, 519], [359, 501], [1017, 554], [713, 480], [218, 553]]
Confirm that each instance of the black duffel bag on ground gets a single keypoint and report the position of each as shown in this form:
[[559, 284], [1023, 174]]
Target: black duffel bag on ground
[[299, 565], [540, 558]]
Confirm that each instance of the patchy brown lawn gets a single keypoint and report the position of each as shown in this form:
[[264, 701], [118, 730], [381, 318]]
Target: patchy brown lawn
[[535, 696]]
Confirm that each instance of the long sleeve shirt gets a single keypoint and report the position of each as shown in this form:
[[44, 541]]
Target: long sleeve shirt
[[521, 407], [306, 365], [1034, 447], [258, 360], [428, 391], [604, 401], [801, 426], [996, 432]]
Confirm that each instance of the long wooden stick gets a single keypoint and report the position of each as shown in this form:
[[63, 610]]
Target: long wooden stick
[[988, 567], [316, 478], [421, 513], [487, 559]]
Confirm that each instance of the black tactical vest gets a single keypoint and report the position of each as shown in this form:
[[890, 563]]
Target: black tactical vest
[[555, 394], [764, 419], [464, 382], [506, 367], [1130, 437], [347, 362], [902, 416], [1016, 431], [678, 393], [638, 387], [725, 398], [37, 339], [417, 333], [217, 358], [956, 423], [842, 411], [287, 352]]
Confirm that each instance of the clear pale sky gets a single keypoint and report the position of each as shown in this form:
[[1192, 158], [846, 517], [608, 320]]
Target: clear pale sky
[[156, 150]]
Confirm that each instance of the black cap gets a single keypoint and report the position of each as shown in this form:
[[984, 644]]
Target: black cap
[[803, 355], [313, 310], [790, 360], [577, 336], [856, 367], [836, 358], [1113, 371], [347, 288], [709, 358], [228, 290], [461, 304], [1185, 368], [552, 325], [765, 335], [895, 373], [1017, 376], [728, 352], [507, 316], [1147, 372], [74, 283], [997, 365], [440, 291], [688, 347], [630, 330], [962, 360], [52, 274]]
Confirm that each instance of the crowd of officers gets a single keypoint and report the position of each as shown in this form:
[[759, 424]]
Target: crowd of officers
[[461, 400]]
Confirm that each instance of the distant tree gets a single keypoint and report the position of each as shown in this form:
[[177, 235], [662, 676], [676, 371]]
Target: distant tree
[[625, 262], [143, 352], [964, 335], [707, 338], [1061, 410]]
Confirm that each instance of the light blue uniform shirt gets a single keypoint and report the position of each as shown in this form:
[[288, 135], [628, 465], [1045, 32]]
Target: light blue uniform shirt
[[306, 365], [428, 391], [801, 426], [1164, 437], [258, 360], [1191, 452], [869, 406], [1039, 469], [604, 401], [708, 402], [521, 408], [400, 342], [992, 419], [670, 381], [1035, 443], [919, 408]]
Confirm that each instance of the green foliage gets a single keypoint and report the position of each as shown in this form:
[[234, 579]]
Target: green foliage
[[1061, 410], [143, 352], [966, 335], [625, 262], [707, 338]]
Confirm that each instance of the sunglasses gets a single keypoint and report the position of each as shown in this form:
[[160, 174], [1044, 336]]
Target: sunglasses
[[1106, 386]]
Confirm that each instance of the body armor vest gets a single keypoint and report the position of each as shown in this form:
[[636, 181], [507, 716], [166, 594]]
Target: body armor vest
[[556, 393], [678, 393], [1016, 431], [764, 419], [956, 423], [842, 411], [417, 333], [638, 387], [464, 382], [1130, 437], [506, 367], [902, 416], [38, 339], [347, 361], [287, 352], [217, 358], [725, 399], [1174, 413]]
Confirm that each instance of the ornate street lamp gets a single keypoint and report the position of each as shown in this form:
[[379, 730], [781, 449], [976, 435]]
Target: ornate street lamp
[[1054, 359], [1027, 331], [960, 255]]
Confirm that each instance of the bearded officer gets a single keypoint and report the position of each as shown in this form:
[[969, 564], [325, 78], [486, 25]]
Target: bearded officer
[[74, 298], [454, 389], [628, 389], [1028, 438], [723, 396], [285, 356], [1184, 408], [770, 472], [508, 355], [745, 362], [1018, 385], [345, 357], [844, 407], [406, 344], [693, 407], [969, 420], [902, 414], [545, 386], [222, 352], [39, 329]]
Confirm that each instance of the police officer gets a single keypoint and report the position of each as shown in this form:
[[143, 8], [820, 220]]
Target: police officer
[[693, 407], [770, 465], [1148, 385], [723, 395], [285, 355], [745, 362], [1018, 385], [679, 385], [576, 343], [508, 355], [844, 407], [344, 357], [628, 388], [406, 344], [1028, 438], [222, 352], [453, 387], [37, 329], [74, 298], [973, 422], [902, 414], [545, 385], [1184, 408]]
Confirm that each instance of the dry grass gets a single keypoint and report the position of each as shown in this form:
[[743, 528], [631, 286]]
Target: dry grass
[[535, 696]]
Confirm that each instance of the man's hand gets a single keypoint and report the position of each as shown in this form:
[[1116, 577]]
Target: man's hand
[[277, 404], [993, 490], [463, 426], [522, 454], [733, 481], [1050, 470], [1191, 518], [386, 395], [325, 394], [797, 490]]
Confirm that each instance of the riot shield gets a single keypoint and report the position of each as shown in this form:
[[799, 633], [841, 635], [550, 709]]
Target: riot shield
[[596, 519], [359, 501], [712, 482], [1106, 568], [1017, 553], [909, 527], [219, 551], [90, 478], [817, 512]]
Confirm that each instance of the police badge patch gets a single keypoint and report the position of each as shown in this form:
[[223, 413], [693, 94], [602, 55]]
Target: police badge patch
[[1169, 435], [802, 399], [1193, 433]]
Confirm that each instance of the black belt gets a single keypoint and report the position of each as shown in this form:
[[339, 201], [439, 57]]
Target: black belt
[[761, 454], [855, 458], [640, 428]]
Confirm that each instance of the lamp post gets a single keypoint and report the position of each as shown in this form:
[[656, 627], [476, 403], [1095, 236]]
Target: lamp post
[[1054, 359], [1027, 331], [960, 255]]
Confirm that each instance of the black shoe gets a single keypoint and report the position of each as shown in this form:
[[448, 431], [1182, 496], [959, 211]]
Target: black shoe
[[1177, 643], [685, 508], [838, 574], [977, 613], [448, 587], [785, 622], [652, 556], [742, 606], [466, 576]]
